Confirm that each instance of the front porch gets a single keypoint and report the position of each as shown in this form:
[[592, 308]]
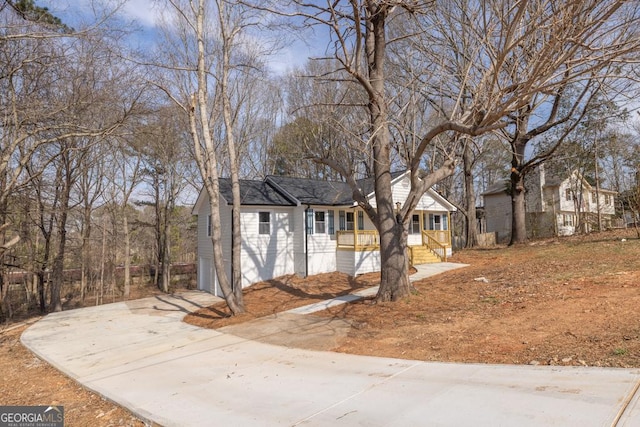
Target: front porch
[[425, 247]]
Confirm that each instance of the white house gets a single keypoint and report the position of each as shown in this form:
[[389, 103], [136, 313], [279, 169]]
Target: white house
[[554, 205], [306, 226]]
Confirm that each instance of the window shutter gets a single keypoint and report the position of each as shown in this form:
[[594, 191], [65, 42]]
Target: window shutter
[[342, 221], [309, 221], [331, 224], [360, 220]]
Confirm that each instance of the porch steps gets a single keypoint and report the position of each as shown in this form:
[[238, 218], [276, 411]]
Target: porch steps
[[422, 255]]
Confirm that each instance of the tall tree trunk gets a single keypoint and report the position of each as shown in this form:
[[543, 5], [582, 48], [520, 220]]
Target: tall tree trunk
[[394, 274], [41, 271], [518, 205], [85, 266], [236, 247], [394, 266], [166, 255], [57, 278], [103, 257], [44, 263], [127, 255], [470, 195], [158, 231], [208, 162], [5, 304], [4, 287], [518, 209]]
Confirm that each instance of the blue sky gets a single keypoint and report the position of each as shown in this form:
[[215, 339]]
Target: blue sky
[[144, 13]]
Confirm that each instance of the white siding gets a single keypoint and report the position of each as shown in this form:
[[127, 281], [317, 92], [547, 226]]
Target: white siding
[[414, 239], [589, 204], [205, 250], [299, 240], [368, 224], [263, 257], [345, 262], [566, 205], [367, 262], [605, 208], [354, 263], [207, 279], [287, 248], [205, 274], [225, 220], [322, 246], [400, 192]]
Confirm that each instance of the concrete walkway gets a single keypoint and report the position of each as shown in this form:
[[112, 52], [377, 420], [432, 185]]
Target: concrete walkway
[[140, 355]]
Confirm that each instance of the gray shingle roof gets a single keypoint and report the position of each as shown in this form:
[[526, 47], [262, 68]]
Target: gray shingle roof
[[257, 193], [288, 191], [313, 191], [368, 184]]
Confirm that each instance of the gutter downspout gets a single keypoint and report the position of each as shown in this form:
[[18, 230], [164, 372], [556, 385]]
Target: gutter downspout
[[306, 241]]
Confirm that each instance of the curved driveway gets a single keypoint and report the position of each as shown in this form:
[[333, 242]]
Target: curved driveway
[[142, 356]]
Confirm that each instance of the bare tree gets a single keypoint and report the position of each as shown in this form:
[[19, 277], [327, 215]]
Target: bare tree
[[90, 186], [520, 50], [126, 178], [162, 147], [203, 78]]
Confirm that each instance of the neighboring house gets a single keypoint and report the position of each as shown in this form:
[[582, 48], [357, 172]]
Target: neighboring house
[[554, 205], [306, 226]]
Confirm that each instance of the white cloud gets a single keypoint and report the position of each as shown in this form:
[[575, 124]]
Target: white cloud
[[143, 11]]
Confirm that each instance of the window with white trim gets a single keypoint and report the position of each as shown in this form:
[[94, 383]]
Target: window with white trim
[[350, 221], [320, 226], [568, 220], [435, 222], [264, 222]]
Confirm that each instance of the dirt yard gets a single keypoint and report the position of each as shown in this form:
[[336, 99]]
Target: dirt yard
[[569, 301]]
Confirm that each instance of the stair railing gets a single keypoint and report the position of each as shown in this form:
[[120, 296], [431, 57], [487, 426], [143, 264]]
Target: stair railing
[[434, 246]]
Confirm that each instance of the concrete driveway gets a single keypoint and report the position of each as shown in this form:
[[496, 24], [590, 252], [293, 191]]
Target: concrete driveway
[[142, 356]]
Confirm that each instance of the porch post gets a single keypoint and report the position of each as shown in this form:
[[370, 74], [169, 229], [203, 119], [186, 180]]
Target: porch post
[[449, 226], [355, 230]]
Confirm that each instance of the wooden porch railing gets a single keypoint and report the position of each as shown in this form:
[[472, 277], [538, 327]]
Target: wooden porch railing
[[442, 236], [434, 245], [437, 241], [358, 239]]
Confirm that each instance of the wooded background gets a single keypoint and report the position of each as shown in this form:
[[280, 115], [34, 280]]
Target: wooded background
[[104, 146]]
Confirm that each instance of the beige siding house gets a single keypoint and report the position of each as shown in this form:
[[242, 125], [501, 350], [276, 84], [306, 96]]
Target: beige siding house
[[555, 206], [305, 227]]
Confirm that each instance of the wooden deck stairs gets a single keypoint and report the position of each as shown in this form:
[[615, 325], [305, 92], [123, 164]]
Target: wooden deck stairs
[[422, 255]]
